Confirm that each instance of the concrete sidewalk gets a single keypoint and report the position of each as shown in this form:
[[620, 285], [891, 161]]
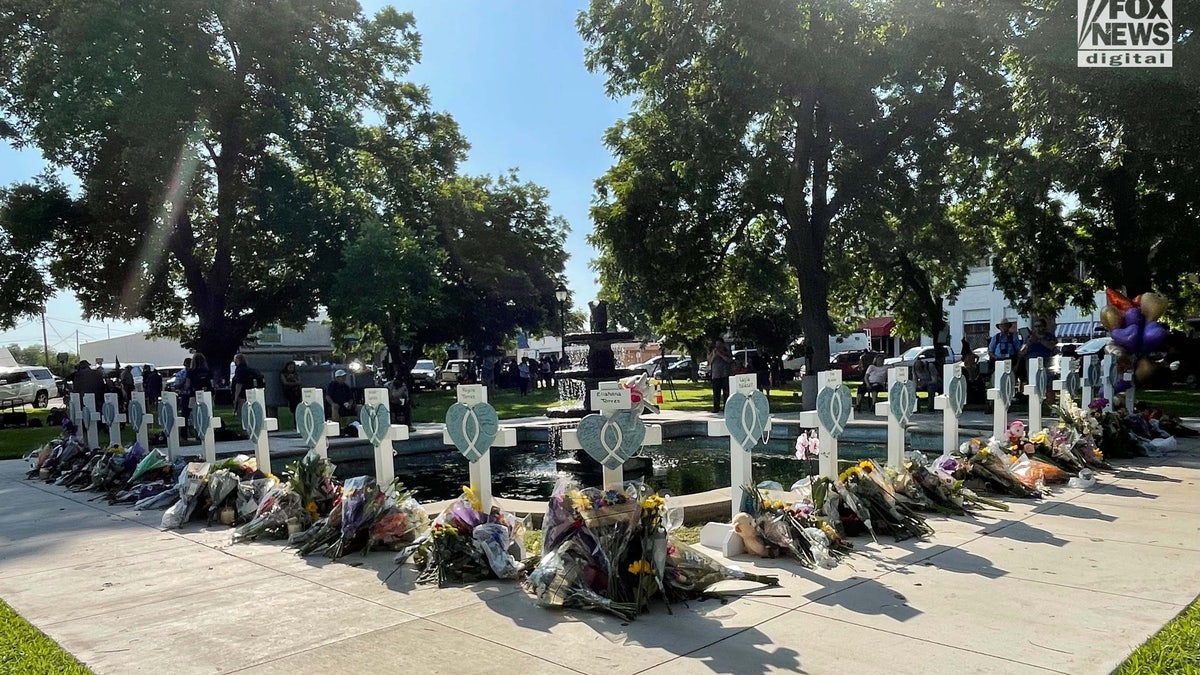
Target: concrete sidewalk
[[1070, 585]]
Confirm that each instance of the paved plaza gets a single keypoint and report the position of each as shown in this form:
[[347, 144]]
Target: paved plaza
[[1068, 585]]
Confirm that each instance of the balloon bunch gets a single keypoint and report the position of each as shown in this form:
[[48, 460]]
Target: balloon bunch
[[1135, 331]]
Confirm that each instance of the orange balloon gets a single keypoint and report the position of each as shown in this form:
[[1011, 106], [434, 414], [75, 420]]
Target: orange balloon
[[1117, 299]]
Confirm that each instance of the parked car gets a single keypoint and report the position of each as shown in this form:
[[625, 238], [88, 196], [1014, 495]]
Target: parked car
[[914, 354], [681, 369], [26, 384], [168, 375], [456, 371], [853, 364], [652, 365], [425, 374]]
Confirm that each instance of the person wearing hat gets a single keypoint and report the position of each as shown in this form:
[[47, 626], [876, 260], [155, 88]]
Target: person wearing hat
[[339, 398], [1005, 345]]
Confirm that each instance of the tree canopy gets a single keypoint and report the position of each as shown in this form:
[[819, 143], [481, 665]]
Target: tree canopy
[[219, 147]]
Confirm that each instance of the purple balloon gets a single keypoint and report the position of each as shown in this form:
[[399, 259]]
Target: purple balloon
[[1153, 335], [1121, 385], [1133, 316], [1129, 337]]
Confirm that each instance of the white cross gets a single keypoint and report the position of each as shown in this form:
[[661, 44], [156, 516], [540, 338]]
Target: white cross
[[828, 458], [951, 372], [114, 425], [91, 417], [1066, 368], [722, 536], [385, 456], [1000, 398], [139, 422], [481, 469], [262, 448], [209, 438], [896, 424], [609, 398], [1035, 397], [310, 423], [170, 402]]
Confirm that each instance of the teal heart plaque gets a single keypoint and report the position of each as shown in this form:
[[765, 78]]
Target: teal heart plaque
[[166, 417], [956, 394], [1071, 383], [611, 440], [472, 428], [376, 421], [108, 413], [310, 422], [1005, 386], [1091, 375], [1041, 383], [137, 413], [254, 420], [87, 417], [201, 418], [748, 418], [902, 398], [833, 408]]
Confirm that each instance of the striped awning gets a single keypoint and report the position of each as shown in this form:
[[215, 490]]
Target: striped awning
[[1076, 330]]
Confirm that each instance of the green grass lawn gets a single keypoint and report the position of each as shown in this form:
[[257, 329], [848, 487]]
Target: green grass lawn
[[24, 649], [1175, 650]]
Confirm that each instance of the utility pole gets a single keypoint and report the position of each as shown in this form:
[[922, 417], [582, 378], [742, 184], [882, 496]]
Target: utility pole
[[77, 357], [45, 341]]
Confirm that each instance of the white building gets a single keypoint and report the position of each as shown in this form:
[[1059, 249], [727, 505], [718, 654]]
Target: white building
[[135, 348], [981, 305]]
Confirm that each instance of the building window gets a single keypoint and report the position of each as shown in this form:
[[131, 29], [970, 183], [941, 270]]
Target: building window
[[977, 334]]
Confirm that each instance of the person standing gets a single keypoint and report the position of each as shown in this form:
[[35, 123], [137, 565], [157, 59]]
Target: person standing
[[152, 385], [720, 364], [523, 375], [1005, 345], [87, 382], [127, 386], [289, 380], [1042, 343]]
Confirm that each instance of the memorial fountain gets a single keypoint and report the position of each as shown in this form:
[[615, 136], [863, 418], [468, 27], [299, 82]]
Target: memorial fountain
[[600, 365]]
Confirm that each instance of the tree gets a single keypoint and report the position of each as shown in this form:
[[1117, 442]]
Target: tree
[[948, 118], [745, 112], [219, 147], [1123, 144], [484, 263]]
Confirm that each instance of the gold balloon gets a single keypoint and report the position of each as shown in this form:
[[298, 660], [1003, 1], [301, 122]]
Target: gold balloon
[[1153, 306], [1111, 318], [1145, 371], [1125, 363]]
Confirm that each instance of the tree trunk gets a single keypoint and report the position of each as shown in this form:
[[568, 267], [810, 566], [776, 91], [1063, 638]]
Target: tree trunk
[[1133, 251]]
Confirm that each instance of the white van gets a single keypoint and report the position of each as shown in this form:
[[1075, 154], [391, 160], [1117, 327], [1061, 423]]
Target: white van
[[26, 384]]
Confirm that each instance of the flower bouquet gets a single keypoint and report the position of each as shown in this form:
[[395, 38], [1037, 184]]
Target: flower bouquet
[[872, 499], [191, 489], [279, 514], [947, 468], [311, 478], [792, 529], [362, 502], [451, 552], [403, 520], [614, 565], [923, 489], [988, 463], [690, 573]]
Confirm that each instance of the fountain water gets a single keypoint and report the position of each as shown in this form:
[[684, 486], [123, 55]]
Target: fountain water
[[592, 361]]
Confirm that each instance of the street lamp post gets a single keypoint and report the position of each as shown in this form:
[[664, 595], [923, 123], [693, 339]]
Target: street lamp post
[[560, 294]]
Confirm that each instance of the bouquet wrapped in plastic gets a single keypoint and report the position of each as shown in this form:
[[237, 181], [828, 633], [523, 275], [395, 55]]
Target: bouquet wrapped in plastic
[[988, 464], [279, 514], [873, 501], [191, 487], [450, 551]]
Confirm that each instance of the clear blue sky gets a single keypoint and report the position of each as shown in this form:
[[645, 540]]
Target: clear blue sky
[[511, 73]]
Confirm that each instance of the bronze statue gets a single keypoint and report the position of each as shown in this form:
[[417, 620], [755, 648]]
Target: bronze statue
[[599, 320]]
